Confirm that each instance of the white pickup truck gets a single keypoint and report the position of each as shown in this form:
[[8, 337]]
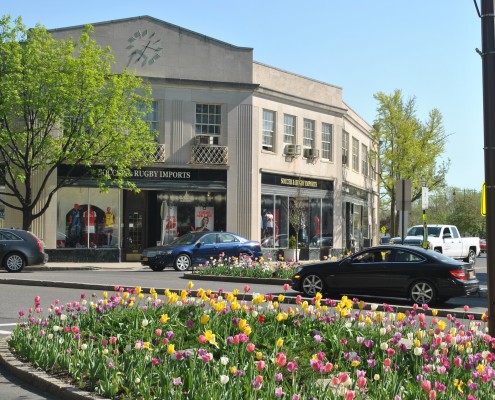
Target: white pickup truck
[[447, 240]]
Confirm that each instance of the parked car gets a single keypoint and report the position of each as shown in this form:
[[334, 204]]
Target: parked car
[[19, 248], [445, 239], [385, 239], [198, 248], [482, 245], [322, 241], [423, 276]]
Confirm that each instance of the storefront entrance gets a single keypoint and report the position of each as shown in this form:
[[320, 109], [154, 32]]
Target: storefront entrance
[[135, 221]]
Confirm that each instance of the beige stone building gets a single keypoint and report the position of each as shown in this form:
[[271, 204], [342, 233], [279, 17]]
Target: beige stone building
[[237, 140]]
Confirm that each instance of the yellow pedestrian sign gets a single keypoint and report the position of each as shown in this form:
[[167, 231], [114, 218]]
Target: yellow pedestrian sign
[[483, 200]]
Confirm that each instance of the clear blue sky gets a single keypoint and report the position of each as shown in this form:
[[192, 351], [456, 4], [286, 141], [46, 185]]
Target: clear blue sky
[[426, 48]]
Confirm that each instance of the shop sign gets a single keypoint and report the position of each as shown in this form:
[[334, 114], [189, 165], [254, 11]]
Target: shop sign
[[146, 173], [296, 181]]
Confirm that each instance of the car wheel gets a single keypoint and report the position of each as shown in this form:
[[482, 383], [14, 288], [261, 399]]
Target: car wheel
[[14, 262], [182, 262], [423, 292], [471, 258], [157, 268], [313, 284]]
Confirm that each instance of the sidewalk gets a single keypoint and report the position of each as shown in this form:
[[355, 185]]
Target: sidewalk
[[88, 265]]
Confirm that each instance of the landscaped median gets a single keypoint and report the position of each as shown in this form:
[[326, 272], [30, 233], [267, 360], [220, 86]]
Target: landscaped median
[[197, 344]]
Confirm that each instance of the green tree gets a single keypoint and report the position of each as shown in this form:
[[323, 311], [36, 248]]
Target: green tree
[[60, 104], [409, 149]]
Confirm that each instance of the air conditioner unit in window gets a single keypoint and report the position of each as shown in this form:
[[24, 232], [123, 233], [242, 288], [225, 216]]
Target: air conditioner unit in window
[[311, 153], [292, 149], [203, 140]]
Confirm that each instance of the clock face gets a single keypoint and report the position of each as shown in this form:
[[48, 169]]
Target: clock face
[[143, 48]]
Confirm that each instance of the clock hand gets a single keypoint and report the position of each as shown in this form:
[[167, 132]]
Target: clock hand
[[142, 53]]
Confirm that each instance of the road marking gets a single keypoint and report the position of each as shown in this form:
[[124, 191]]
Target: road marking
[[5, 332], [11, 324]]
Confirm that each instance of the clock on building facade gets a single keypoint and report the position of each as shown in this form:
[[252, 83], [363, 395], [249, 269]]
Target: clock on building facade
[[144, 48]]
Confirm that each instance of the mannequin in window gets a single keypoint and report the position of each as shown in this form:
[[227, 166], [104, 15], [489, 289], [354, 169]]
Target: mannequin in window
[[109, 220], [75, 225], [268, 223], [89, 220]]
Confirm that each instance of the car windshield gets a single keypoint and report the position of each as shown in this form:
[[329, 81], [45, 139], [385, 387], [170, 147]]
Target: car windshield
[[418, 231], [188, 238]]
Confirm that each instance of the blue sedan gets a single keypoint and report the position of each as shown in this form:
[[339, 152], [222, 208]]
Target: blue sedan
[[198, 248]]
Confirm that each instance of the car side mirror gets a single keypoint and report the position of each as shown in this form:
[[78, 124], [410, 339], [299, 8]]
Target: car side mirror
[[198, 245]]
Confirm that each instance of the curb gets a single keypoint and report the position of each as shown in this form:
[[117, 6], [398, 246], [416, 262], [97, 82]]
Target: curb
[[39, 378]]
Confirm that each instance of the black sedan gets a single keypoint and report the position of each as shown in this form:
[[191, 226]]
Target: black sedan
[[19, 248], [423, 276], [199, 248]]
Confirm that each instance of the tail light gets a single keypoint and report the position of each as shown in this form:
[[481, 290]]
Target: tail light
[[459, 274], [40, 245]]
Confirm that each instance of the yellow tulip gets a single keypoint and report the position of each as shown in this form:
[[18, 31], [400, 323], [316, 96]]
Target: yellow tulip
[[280, 342], [190, 285], [164, 318], [170, 349], [205, 318]]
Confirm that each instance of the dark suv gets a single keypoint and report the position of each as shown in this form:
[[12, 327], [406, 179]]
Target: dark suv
[[19, 248]]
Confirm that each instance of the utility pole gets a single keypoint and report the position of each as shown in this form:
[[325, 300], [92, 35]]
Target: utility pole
[[488, 67]]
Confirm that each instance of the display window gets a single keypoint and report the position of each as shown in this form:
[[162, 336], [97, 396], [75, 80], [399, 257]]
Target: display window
[[87, 218], [183, 212], [317, 222]]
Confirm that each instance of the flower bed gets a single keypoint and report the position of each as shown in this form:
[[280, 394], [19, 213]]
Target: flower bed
[[199, 345], [249, 268]]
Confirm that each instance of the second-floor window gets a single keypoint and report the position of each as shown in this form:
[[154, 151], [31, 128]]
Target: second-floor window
[[208, 119], [152, 117], [364, 160], [289, 129], [345, 149], [327, 141], [268, 129], [355, 154], [309, 133]]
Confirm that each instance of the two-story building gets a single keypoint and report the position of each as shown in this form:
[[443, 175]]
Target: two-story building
[[237, 139]]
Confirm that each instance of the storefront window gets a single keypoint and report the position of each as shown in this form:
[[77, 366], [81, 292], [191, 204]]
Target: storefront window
[[87, 218], [316, 229], [183, 212]]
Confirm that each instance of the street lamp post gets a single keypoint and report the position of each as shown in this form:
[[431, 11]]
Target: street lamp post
[[424, 202]]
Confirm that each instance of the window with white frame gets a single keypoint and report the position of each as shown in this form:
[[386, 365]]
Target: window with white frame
[[345, 148], [309, 133], [152, 117], [208, 119], [355, 154], [268, 130], [364, 160], [327, 141], [289, 129]]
